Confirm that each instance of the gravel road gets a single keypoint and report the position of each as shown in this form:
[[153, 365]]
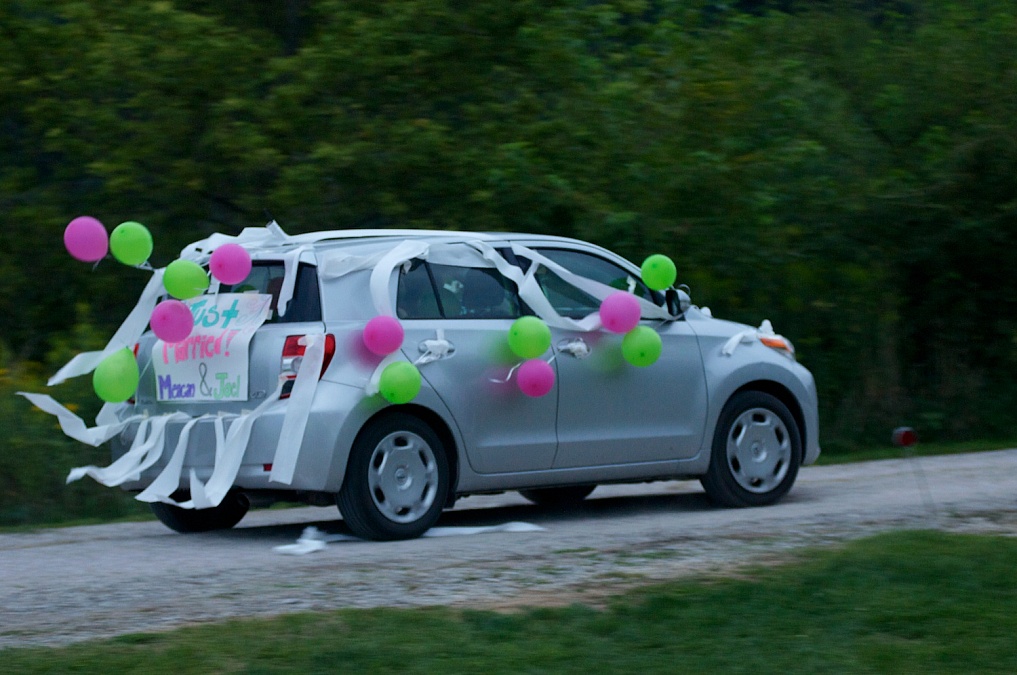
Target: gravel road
[[71, 584]]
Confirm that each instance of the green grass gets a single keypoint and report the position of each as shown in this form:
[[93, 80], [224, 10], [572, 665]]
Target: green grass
[[915, 602], [835, 455]]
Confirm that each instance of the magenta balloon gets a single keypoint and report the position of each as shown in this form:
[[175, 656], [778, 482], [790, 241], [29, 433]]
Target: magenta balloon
[[86, 239], [171, 321], [230, 263], [535, 377], [619, 312], [383, 335]]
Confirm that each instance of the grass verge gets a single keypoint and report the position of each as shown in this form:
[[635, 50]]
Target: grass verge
[[836, 455], [924, 602]]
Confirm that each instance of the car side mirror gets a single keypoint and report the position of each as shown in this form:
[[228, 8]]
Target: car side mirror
[[678, 301]]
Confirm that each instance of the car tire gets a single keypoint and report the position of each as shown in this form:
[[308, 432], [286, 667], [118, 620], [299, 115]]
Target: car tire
[[396, 480], [757, 449], [558, 496], [228, 513]]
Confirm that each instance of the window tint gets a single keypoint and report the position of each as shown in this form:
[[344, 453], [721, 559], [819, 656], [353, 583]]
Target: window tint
[[474, 293], [598, 269], [566, 299], [267, 277], [415, 297]]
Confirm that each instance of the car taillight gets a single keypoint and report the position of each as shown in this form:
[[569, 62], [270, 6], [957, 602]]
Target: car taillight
[[293, 356]]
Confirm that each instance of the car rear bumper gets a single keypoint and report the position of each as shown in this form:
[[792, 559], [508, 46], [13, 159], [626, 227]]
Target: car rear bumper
[[330, 407]]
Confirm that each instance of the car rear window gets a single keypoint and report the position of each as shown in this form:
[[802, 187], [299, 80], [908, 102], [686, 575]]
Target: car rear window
[[267, 277]]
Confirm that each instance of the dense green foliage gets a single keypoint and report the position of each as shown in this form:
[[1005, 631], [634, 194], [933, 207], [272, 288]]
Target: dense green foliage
[[846, 169], [901, 602]]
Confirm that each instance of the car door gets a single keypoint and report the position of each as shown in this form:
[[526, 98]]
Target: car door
[[472, 308], [609, 411]]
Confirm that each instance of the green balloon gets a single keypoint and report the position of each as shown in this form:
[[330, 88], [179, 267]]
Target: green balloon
[[116, 378], [185, 279], [400, 382], [641, 346], [659, 272], [131, 243], [529, 337]]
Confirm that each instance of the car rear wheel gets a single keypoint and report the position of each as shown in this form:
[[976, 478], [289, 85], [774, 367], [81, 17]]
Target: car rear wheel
[[396, 480], [757, 449], [559, 496], [228, 513]]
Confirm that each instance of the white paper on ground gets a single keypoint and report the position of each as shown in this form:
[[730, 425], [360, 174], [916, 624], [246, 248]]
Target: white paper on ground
[[312, 539]]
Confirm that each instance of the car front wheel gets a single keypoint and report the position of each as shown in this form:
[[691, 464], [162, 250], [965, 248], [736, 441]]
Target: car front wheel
[[757, 449], [396, 480]]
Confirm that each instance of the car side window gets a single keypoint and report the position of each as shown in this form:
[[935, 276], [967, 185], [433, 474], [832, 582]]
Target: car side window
[[566, 299], [428, 291], [599, 269], [415, 298]]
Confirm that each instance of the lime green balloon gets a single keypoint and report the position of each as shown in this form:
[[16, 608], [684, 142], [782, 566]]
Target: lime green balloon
[[659, 272], [116, 377], [400, 382], [529, 337], [131, 243], [641, 346], [185, 279]]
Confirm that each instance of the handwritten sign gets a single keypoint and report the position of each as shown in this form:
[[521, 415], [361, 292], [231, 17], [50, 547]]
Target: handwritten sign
[[211, 364]]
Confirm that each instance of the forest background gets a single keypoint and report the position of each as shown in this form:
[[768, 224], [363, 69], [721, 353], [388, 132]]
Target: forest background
[[847, 170]]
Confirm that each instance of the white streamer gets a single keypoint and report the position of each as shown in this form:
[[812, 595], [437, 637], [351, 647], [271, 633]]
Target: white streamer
[[291, 435], [747, 336], [75, 427], [126, 336], [312, 539]]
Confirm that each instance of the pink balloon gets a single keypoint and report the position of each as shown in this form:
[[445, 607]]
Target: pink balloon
[[383, 335], [230, 263], [535, 377], [619, 312], [171, 321], [86, 239]]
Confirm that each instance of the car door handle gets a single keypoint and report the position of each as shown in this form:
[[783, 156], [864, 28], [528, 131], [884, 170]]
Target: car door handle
[[577, 347], [434, 350]]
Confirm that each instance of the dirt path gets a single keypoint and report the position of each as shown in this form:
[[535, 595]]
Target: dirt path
[[71, 584]]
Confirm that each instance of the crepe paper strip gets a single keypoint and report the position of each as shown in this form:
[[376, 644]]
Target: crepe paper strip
[[75, 427], [291, 435], [210, 493], [747, 336], [168, 480], [126, 336], [312, 539], [144, 453], [435, 350], [381, 276]]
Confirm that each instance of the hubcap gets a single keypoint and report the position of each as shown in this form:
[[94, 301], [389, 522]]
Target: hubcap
[[403, 477], [758, 450]]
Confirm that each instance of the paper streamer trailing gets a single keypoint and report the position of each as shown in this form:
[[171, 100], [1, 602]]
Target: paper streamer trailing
[[312, 539]]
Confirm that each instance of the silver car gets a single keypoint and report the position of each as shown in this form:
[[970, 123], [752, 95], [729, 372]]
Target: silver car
[[302, 417]]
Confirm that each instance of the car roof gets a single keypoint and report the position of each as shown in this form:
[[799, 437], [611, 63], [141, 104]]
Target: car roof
[[270, 241]]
